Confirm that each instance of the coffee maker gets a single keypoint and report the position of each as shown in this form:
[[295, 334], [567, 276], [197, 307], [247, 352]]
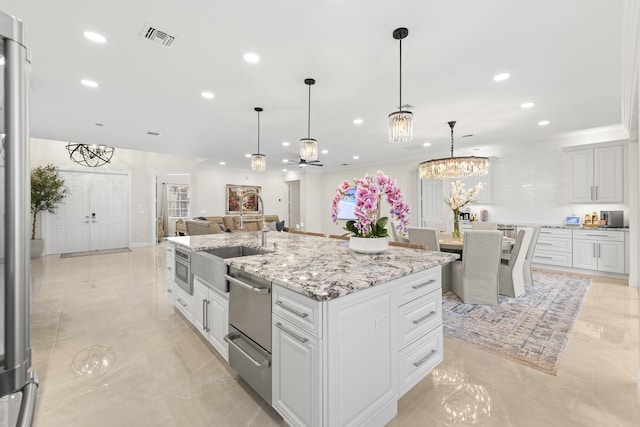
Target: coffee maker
[[611, 219]]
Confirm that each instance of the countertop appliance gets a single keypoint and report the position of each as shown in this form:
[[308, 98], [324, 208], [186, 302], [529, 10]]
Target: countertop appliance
[[612, 219], [249, 335], [184, 277], [18, 385]]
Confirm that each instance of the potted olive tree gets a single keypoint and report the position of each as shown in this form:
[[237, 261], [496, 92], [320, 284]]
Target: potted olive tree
[[47, 192]]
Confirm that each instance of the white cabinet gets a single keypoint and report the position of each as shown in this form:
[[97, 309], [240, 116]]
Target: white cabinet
[[596, 175], [599, 250], [211, 315], [184, 303], [170, 276], [554, 247]]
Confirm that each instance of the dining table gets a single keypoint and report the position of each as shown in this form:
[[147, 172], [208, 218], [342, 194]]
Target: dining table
[[456, 244]]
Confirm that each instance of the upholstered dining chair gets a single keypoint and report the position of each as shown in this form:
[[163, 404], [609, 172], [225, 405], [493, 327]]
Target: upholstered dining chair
[[512, 275], [475, 278], [425, 236], [479, 225], [408, 245], [438, 225], [527, 275]]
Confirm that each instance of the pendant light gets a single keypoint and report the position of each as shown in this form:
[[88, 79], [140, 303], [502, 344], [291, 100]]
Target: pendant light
[[90, 155], [258, 161], [308, 145], [454, 167], [400, 122]]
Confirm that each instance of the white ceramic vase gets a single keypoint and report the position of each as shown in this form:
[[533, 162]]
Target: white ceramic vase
[[368, 245]]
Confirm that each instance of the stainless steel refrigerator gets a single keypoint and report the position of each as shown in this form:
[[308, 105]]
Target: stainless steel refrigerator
[[18, 384]]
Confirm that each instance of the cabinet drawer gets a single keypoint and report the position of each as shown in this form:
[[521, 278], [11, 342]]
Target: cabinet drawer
[[184, 303], [550, 244], [420, 316], [611, 236], [561, 259], [170, 250], [418, 359], [419, 284], [303, 312], [555, 233]]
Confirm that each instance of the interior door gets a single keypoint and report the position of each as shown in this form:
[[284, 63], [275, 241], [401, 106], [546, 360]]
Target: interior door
[[94, 216]]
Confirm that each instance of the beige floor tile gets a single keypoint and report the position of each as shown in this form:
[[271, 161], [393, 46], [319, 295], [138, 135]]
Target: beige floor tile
[[163, 374]]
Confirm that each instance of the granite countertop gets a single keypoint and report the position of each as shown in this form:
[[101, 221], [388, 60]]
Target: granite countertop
[[318, 267], [569, 227]]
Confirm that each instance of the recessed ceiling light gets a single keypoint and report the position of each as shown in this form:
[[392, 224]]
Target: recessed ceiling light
[[426, 144], [89, 83], [325, 151], [285, 144], [223, 163], [527, 105], [247, 155], [284, 170], [95, 37], [543, 122], [357, 121], [501, 77], [207, 95], [251, 57], [356, 157], [285, 160]]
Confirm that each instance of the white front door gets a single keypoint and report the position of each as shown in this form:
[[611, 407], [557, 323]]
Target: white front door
[[94, 215]]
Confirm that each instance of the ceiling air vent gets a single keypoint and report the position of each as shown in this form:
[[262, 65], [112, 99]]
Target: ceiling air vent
[[157, 35]]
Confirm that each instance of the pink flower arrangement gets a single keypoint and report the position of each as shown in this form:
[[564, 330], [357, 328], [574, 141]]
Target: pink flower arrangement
[[369, 192]]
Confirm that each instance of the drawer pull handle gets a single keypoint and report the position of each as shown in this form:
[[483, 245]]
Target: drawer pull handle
[[169, 290], [423, 318], [544, 257], [598, 235], [422, 285], [545, 243], [424, 359], [294, 311], [288, 332], [260, 364], [247, 286], [182, 303]]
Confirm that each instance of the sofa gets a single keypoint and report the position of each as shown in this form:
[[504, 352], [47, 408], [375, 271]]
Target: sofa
[[221, 224]]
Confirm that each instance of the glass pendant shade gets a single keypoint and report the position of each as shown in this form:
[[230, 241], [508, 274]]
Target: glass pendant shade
[[308, 149], [400, 126], [454, 167], [258, 162]]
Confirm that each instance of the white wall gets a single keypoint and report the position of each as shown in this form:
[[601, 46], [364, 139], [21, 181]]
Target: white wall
[[142, 167]]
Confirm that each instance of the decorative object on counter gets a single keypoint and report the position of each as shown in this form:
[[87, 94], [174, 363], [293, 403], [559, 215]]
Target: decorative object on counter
[[47, 193], [234, 194], [308, 145], [534, 329], [400, 122], [368, 225], [258, 161], [458, 198], [90, 155], [484, 215], [454, 167]]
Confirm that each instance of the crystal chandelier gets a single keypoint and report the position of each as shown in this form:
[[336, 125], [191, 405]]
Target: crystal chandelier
[[454, 167], [400, 122], [90, 155], [308, 145], [258, 161]]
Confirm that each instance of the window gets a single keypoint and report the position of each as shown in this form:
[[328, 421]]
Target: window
[[178, 200]]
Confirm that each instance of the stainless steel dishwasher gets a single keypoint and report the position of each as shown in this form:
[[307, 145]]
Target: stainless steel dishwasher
[[249, 335]]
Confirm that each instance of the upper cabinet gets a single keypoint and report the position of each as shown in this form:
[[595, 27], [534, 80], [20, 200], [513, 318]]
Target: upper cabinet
[[596, 175]]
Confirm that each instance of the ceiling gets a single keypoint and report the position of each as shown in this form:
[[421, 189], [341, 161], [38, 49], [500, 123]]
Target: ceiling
[[565, 56]]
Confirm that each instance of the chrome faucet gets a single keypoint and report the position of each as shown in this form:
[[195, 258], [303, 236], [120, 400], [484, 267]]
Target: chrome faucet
[[264, 230]]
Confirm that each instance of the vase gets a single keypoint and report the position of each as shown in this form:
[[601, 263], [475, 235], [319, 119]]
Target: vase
[[368, 245], [456, 223]]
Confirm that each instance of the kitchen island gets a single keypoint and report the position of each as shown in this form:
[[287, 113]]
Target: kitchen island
[[351, 333]]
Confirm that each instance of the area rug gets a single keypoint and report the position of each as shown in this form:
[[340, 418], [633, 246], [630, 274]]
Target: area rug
[[533, 330], [98, 252]]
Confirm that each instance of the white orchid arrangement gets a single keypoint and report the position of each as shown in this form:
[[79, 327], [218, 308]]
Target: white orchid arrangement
[[460, 196]]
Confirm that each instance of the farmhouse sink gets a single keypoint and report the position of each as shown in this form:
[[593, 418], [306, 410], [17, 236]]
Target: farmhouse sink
[[209, 264]]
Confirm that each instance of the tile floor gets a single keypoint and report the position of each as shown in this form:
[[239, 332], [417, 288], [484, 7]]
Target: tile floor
[[158, 372]]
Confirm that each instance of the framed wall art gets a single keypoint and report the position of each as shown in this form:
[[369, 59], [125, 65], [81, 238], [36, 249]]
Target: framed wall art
[[250, 203]]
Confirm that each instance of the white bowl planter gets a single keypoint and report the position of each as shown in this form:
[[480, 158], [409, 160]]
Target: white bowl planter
[[368, 245]]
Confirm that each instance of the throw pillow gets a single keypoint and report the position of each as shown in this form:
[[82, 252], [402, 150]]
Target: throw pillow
[[221, 227], [201, 218], [280, 226], [272, 226]]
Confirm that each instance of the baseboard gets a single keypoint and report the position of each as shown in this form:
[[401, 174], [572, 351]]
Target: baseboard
[[581, 271]]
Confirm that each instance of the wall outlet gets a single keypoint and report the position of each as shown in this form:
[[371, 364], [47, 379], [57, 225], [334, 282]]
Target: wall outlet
[[382, 320]]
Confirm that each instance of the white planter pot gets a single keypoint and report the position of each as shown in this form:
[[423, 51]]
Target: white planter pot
[[37, 246], [363, 245]]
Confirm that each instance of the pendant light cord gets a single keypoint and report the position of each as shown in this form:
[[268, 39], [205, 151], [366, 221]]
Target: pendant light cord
[[452, 124], [400, 75], [309, 116], [258, 132]]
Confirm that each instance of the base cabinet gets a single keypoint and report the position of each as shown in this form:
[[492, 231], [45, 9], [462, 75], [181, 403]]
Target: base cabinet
[[347, 361], [599, 250], [211, 315]]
